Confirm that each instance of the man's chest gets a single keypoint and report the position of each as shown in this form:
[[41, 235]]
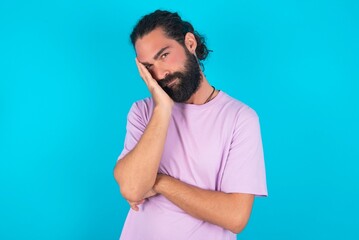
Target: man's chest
[[196, 152]]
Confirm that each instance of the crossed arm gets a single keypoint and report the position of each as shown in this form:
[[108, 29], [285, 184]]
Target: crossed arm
[[228, 210], [136, 174]]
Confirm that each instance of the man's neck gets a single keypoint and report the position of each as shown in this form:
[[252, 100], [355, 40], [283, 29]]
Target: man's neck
[[203, 92]]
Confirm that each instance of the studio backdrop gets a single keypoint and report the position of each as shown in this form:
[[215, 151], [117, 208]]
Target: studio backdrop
[[68, 79]]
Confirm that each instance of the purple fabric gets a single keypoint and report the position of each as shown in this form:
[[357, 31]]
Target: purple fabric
[[214, 146]]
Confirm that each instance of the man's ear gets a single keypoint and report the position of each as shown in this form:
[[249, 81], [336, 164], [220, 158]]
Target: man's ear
[[190, 42]]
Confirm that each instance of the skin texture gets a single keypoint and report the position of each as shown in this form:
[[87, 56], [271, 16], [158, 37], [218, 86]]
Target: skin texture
[[136, 173]]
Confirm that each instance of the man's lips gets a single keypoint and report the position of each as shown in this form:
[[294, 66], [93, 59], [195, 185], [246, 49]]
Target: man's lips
[[172, 82]]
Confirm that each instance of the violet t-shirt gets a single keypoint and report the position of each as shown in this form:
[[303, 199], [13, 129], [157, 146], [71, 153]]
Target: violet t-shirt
[[215, 146]]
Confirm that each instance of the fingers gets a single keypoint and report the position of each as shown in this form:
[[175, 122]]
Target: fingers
[[159, 95], [139, 66], [144, 73], [134, 205]]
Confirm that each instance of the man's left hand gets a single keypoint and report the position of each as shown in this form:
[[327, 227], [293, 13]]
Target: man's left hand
[[134, 205]]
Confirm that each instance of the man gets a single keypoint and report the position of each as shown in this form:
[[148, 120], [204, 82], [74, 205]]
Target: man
[[193, 160]]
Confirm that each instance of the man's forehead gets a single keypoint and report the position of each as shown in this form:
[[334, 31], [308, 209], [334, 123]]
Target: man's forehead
[[149, 45]]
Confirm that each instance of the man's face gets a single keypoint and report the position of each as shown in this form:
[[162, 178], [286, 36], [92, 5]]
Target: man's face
[[171, 64]]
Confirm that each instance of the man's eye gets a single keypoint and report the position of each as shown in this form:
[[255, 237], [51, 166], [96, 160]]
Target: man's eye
[[164, 55], [148, 66]]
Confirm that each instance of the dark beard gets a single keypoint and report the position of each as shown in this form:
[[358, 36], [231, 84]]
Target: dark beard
[[188, 81]]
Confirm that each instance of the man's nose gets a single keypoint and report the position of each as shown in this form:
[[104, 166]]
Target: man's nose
[[160, 73]]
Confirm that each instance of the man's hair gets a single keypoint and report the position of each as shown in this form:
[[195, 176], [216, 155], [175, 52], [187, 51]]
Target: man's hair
[[173, 26]]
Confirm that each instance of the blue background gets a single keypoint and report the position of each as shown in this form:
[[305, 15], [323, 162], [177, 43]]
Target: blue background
[[68, 79]]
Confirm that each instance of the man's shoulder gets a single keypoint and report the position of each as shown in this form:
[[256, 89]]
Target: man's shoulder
[[237, 106], [142, 109], [143, 104]]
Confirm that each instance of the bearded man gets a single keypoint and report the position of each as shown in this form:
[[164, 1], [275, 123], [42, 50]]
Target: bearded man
[[192, 161]]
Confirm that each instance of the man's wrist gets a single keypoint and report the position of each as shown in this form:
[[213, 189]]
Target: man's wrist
[[163, 111], [160, 183]]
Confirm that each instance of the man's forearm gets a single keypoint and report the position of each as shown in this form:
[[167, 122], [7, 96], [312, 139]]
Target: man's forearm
[[230, 211], [137, 171]]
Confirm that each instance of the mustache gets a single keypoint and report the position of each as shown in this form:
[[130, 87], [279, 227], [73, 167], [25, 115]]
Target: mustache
[[163, 82]]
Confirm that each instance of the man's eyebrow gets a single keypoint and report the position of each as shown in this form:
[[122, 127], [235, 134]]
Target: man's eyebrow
[[158, 54]]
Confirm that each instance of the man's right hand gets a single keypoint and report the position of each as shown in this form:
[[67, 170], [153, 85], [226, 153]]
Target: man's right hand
[[136, 172], [160, 97]]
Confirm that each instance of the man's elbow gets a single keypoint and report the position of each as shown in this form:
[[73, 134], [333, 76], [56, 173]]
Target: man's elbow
[[238, 225], [237, 229], [130, 194], [116, 174]]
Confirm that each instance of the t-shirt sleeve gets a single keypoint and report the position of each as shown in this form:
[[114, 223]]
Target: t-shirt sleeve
[[134, 129], [245, 170]]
